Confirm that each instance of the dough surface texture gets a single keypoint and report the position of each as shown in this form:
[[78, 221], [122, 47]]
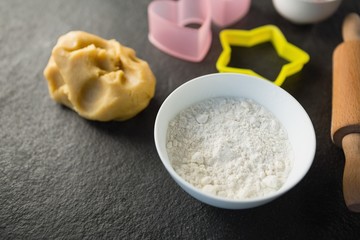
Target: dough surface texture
[[99, 79]]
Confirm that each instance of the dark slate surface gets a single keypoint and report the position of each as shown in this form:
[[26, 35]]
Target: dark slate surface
[[65, 177]]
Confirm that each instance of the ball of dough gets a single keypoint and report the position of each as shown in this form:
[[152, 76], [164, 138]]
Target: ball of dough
[[99, 79]]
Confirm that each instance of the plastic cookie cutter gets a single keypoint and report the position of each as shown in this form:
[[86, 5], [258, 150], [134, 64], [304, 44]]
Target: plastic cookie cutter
[[296, 57], [168, 31], [227, 12], [169, 24]]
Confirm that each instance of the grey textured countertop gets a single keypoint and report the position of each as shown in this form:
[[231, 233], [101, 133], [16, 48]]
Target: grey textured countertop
[[63, 177]]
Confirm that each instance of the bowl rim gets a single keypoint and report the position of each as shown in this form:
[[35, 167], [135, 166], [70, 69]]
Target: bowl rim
[[167, 164]]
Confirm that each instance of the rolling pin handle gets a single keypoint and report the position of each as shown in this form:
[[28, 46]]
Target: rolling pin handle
[[351, 178], [351, 28]]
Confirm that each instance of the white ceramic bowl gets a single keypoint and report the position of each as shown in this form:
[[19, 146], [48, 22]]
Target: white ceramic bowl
[[306, 11], [275, 99]]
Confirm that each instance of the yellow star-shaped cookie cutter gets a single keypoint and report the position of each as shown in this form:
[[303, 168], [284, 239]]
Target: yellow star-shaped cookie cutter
[[269, 33]]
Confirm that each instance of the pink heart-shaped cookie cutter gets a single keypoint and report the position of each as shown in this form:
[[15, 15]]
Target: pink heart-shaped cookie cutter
[[227, 12], [168, 29], [169, 24]]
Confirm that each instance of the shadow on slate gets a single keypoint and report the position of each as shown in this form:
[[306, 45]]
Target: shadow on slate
[[140, 127]]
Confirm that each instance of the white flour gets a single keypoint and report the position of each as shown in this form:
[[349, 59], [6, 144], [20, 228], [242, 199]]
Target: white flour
[[230, 147]]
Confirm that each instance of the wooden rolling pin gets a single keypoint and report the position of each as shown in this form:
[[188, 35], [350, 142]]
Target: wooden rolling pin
[[345, 125]]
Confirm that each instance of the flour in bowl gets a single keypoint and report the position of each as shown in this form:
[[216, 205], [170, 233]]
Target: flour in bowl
[[230, 147]]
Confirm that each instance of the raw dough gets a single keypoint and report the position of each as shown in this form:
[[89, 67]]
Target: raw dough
[[99, 79]]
